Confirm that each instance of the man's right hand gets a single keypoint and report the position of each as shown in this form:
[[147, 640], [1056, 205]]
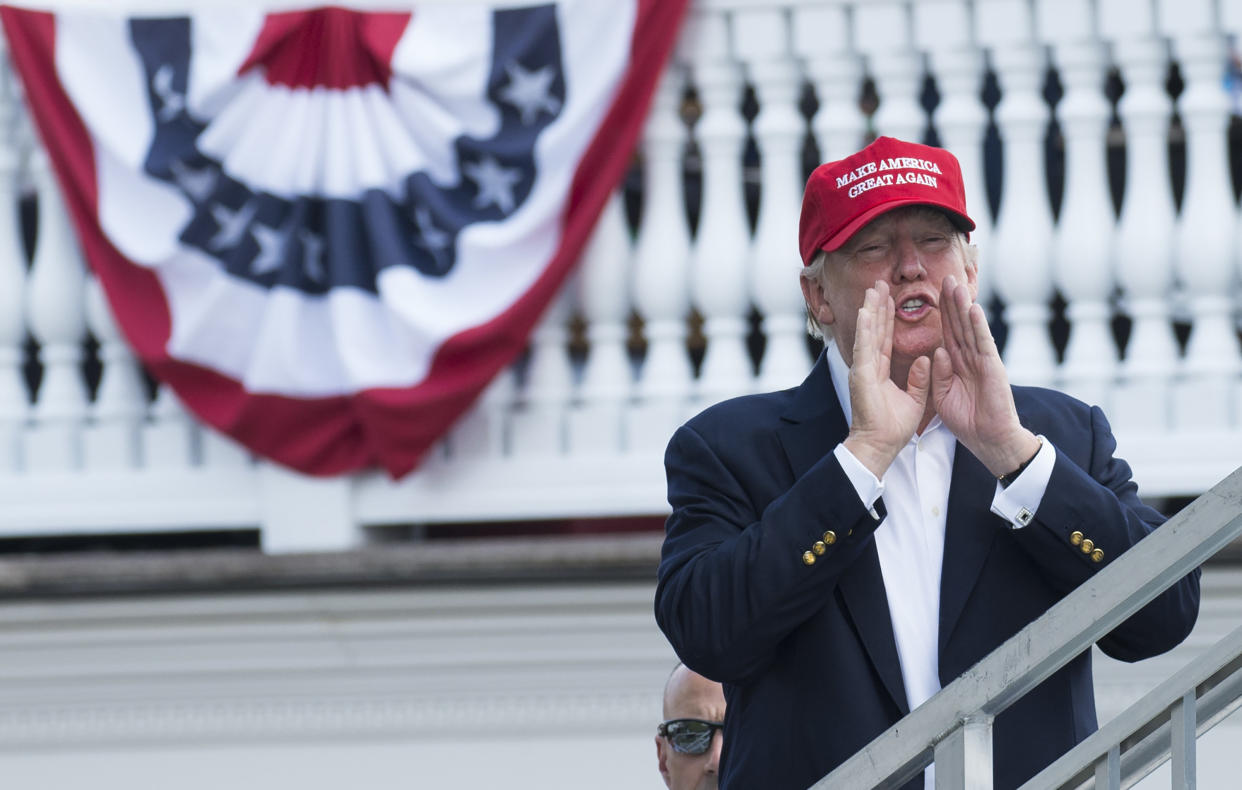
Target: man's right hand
[[884, 415]]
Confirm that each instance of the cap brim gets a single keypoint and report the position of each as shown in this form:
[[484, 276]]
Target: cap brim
[[838, 240]]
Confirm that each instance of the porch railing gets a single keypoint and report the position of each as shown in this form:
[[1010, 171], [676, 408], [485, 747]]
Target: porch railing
[[955, 726], [1098, 141], [1165, 724]]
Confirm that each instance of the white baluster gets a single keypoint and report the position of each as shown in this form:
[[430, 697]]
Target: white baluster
[[1145, 232], [1206, 229], [884, 36], [1231, 23], [538, 425], [1023, 233], [943, 29], [219, 450], [112, 439], [662, 275], [718, 273], [14, 401], [55, 299], [483, 432], [762, 38], [1143, 251], [170, 439], [1082, 250], [595, 420], [822, 37]]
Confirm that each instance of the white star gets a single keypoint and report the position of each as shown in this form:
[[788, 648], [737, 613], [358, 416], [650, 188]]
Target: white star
[[530, 92], [271, 255], [429, 235], [198, 184], [172, 101], [495, 183], [312, 255], [232, 224], [431, 238]]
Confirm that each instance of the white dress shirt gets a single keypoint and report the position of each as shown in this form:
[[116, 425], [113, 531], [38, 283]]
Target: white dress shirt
[[910, 542]]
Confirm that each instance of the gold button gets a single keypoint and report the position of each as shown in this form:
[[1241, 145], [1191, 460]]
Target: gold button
[[808, 558], [819, 548], [1087, 546], [830, 537], [1075, 537], [1097, 555]]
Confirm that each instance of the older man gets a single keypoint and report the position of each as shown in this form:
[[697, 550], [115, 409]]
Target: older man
[[688, 740], [839, 551]]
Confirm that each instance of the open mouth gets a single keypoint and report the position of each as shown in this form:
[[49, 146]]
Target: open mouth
[[913, 308]]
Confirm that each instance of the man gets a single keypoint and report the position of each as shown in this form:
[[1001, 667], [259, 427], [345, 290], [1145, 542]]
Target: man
[[840, 551], [688, 740]]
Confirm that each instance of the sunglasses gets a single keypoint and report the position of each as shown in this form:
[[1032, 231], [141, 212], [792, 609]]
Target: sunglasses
[[689, 736]]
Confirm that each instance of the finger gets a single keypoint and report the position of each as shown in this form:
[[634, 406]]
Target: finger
[[864, 344], [961, 297], [887, 319], [918, 381], [982, 331], [941, 376], [860, 336], [951, 328]]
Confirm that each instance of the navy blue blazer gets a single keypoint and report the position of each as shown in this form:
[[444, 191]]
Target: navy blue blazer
[[807, 654]]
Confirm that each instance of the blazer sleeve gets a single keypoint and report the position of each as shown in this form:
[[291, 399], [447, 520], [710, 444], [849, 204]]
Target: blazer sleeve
[[732, 579], [1097, 499]]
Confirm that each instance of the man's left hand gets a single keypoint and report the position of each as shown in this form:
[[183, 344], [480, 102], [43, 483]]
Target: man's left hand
[[970, 389]]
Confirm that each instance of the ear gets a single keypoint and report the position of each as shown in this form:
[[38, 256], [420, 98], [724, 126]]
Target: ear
[[662, 756], [816, 302], [971, 252]]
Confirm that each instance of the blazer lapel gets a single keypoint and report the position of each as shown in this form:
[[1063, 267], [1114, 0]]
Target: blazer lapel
[[969, 531], [810, 429]]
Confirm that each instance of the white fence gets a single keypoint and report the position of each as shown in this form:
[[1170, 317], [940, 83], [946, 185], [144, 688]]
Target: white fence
[[578, 429]]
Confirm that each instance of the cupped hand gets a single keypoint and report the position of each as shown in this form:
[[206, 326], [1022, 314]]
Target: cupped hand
[[884, 415], [970, 388]]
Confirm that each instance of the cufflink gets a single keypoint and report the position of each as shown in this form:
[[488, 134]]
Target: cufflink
[[1023, 516]]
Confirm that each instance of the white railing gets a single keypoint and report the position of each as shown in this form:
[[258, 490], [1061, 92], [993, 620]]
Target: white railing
[[954, 727], [559, 437], [1164, 725]]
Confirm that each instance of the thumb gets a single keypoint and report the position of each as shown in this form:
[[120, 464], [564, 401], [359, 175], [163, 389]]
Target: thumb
[[941, 375], [918, 380]]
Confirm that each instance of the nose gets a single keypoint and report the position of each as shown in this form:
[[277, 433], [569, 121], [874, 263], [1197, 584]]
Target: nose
[[713, 754], [909, 264]]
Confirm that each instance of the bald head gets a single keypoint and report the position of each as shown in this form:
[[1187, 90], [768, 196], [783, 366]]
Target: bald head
[[689, 695]]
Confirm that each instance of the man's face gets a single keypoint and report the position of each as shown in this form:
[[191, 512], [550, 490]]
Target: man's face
[[912, 248], [691, 696]]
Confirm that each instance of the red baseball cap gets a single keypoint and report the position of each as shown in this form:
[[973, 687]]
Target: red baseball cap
[[843, 196]]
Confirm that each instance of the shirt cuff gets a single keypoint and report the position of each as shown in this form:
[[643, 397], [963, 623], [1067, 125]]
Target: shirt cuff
[[868, 486], [1017, 503]]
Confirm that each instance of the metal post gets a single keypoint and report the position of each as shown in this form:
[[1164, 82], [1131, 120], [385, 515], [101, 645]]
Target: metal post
[[964, 757], [1182, 736], [1108, 770]]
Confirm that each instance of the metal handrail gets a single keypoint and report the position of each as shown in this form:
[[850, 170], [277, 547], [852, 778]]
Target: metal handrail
[[954, 726], [1210, 687]]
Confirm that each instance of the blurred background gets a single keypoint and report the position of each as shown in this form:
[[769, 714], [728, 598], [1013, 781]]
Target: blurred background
[[178, 609]]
